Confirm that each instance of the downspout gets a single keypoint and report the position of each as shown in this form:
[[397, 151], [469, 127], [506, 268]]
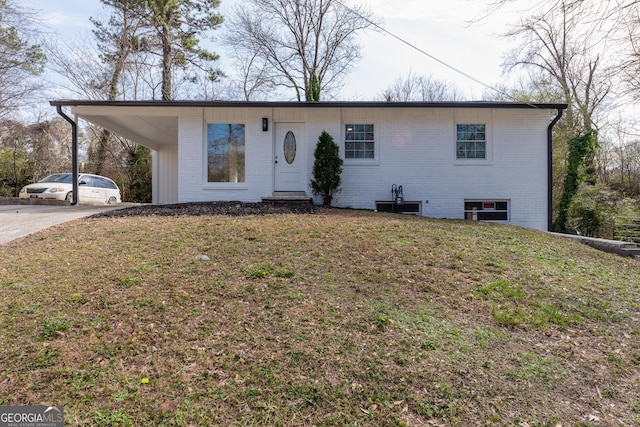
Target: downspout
[[74, 155], [550, 170]]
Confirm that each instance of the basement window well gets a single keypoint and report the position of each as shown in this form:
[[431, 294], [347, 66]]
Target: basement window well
[[408, 207], [486, 210]]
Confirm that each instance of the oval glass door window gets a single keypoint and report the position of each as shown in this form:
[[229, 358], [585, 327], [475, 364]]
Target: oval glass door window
[[290, 147]]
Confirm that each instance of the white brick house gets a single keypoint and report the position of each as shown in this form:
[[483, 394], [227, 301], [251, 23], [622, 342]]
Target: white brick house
[[484, 160]]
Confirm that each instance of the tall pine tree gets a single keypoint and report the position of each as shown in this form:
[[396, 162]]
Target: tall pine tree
[[176, 24]]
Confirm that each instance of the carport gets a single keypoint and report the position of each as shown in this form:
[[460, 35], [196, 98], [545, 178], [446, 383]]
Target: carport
[[146, 123]]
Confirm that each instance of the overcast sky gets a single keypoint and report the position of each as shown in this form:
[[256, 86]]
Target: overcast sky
[[440, 28]]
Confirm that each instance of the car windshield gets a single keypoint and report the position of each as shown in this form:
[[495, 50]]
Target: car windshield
[[58, 177]]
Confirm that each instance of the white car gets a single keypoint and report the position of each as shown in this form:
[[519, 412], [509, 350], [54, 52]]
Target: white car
[[59, 186]]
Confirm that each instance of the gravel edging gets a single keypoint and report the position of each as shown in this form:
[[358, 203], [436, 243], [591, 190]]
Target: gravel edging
[[210, 208]]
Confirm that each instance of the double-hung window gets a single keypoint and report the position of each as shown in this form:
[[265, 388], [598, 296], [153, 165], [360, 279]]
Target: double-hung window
[[471, 141], [359, 141]]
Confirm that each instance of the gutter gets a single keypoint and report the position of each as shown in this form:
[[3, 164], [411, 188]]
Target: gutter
[[550, 169], [310, 104], [74, 155]]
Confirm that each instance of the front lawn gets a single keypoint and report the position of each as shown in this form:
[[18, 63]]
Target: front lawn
[[334, 318]]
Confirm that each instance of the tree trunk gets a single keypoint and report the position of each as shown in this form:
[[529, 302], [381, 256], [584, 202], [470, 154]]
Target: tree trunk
[[167, 59], [105, 135]]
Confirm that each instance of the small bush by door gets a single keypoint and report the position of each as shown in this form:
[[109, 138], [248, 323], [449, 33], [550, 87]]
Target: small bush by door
[[327, 168]]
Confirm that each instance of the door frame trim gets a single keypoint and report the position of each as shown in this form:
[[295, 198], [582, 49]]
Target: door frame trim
[[299, 143]]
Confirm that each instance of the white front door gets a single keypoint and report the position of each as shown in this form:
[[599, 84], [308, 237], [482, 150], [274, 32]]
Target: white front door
[[289, 168]]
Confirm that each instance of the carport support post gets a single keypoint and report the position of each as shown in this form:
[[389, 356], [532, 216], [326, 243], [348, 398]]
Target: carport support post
[[74, 155]]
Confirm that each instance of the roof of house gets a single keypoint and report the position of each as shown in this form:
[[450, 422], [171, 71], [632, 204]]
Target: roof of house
[[322, 104], [160, 126]]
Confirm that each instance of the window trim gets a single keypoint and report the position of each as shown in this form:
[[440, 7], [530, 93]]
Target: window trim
[[348, 161], [468, 213], [488, 138], [215, 185]]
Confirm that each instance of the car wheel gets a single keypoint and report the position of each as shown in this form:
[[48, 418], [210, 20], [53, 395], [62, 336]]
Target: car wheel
[[112, 200], [69, 196]]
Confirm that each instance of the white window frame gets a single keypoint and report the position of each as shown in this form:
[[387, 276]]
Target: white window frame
[[213, 185], [487, 206], [488, 137], [475, 128], [376, 144]]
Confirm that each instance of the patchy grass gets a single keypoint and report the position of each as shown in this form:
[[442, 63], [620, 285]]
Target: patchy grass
[[333, 318]]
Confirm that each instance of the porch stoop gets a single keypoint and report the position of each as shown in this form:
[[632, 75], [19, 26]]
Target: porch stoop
[[288, 197]]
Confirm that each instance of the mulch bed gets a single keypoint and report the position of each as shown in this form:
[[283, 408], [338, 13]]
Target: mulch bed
[[211, 208]]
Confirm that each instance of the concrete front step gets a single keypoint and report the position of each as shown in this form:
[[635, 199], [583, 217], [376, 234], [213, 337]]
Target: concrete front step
[[288, 197]]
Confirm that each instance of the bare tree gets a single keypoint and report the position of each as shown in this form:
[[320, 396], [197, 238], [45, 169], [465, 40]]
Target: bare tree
[[21, 58], [304, 45], [257, 79], [620, 159], [563, 48], [568, 48], [119, 39], [79, 72], [613, 23], [605, 8], [101, 73], [421, 88], [110, 69], [631, 65]]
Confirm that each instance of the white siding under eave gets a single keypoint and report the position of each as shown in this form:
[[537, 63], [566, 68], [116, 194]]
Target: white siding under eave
[[316, 121], [193, 185], [165, 174], [190, 150], [417, 151]]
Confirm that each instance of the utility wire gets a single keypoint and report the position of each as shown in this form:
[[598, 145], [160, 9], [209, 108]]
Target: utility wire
[[413, 46]]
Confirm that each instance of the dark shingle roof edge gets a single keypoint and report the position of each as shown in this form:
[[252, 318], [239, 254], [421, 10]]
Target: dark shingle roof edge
[[321, 104]]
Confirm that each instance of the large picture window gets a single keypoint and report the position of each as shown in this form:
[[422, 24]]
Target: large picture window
[[471, 141], [359, 141], [225, 152]]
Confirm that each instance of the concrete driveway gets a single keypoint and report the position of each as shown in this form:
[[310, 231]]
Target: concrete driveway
[[20, 220]]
